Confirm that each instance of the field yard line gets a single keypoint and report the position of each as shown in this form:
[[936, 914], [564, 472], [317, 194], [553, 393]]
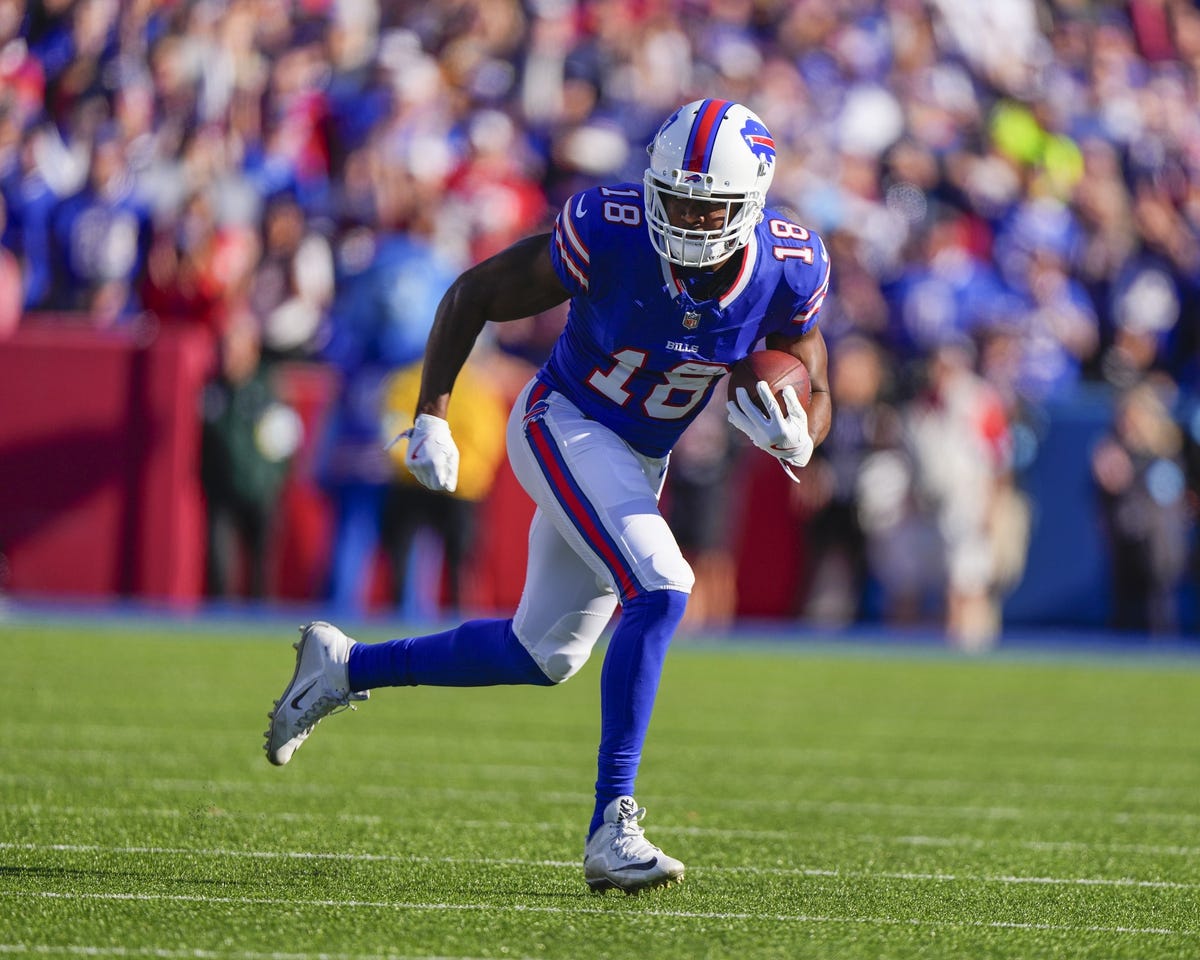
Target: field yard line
[[550, 771], [574, 864], [810, 806], [175, 813], [609, 915], [1145, 849], [82, 950], [527, 771], [1142, 848], [911, 758]]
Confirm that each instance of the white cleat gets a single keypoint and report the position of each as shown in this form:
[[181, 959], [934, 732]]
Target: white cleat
[[618, 855], [319, 686]]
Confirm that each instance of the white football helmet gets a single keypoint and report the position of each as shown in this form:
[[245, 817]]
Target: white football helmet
[[713, 150]]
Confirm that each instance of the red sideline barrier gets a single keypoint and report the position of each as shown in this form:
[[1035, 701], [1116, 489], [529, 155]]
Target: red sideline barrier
[[767, 543], [100, 492], [99, 460], [304, 527]]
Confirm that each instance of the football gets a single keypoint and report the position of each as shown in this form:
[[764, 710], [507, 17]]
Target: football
[[778, 369]]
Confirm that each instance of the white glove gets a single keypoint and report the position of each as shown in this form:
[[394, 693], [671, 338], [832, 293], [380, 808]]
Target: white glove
[[783, 437], [432, 456]]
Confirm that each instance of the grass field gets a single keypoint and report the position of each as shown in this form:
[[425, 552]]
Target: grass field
[[829, 803]]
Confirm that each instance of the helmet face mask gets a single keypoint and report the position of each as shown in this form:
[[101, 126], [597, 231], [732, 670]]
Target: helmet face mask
[[691, 246], [712, 151]]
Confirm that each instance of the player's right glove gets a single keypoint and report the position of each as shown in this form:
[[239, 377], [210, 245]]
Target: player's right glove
[[785, 437], [432, 455]]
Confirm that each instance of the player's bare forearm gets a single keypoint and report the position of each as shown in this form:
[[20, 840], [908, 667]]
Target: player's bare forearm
[[517, 282], [812, 352]]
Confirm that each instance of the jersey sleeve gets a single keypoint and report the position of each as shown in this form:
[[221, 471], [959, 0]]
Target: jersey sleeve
[[811, 284], [569, 245]]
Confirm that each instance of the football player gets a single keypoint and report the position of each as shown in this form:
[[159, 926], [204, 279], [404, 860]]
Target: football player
[[671, 281]]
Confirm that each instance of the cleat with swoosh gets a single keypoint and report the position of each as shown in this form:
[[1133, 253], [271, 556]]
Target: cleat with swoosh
[[319, 687], [619, 857]]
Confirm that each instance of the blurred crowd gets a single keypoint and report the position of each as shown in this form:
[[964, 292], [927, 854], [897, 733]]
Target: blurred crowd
[[1010, 193]]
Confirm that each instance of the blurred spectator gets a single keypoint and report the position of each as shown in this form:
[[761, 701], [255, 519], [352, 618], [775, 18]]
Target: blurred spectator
[[529, 341], [866, 423], [21, 73], [491, 196], [1140, 480], [293, 285], [1154, 288], [78, 51], [945, 292], [10, 285], [249, 438], [293, 153], [390, 286], [477, 415], [198, 271], [1036, 250], [1058, 327], [958, 433], [698, 504], [904, 555], [30, 203], [101, 237]]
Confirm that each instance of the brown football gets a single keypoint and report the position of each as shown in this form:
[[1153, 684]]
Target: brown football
[[778, 369]]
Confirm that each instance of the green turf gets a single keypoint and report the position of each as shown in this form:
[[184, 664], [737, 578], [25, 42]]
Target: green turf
[[829, 804]]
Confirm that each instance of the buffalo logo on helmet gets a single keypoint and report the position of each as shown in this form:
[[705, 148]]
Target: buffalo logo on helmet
[[693, 178], [758, 139]]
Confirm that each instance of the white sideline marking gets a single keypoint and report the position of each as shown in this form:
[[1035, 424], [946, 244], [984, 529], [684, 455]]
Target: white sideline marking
[[809, 806], [1144, 849], [574, 864], [607, 914], [77, 949]]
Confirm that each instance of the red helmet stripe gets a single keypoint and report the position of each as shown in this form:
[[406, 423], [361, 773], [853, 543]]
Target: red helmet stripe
[[704, 134]]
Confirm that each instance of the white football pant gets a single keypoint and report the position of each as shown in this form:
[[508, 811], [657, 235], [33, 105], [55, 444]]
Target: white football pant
[[597, 536]]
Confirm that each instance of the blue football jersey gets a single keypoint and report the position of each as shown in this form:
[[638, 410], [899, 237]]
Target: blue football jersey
[[640, 353]]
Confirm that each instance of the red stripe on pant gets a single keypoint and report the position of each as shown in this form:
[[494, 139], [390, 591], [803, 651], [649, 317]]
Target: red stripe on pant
[[572, 502]]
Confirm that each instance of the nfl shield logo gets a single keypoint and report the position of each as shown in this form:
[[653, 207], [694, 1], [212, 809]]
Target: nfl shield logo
[[691, 319]]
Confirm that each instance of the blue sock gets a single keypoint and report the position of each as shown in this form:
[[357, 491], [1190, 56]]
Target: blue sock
[[628, 684], [480, 653]]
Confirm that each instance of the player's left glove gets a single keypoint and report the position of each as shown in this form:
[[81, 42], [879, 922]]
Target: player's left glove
[[783, 436], [432, 454]]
